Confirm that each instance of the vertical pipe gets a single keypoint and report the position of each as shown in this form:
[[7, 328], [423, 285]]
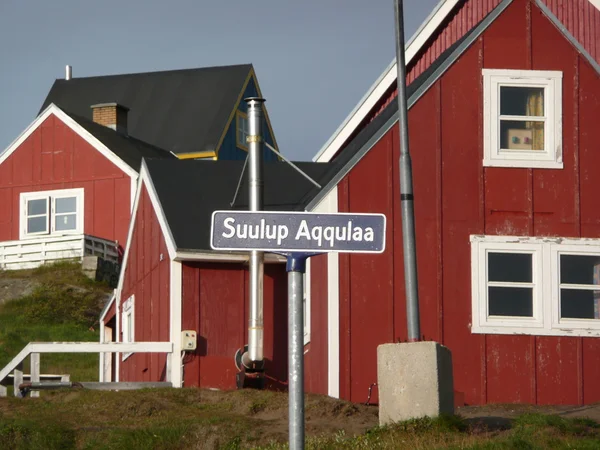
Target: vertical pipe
[[256, 187], [296, 268], [68, 72], [406, 187]]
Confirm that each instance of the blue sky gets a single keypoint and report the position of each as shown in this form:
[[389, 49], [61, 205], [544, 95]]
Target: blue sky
[[314, 59]]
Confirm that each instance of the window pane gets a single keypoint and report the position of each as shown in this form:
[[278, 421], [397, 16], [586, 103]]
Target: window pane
[[65, 222], [580, 269], [521, 101], [36, 207], [512, 267], [509, 301], [521, 135], [579, 304], [66, 205], [37, 224]]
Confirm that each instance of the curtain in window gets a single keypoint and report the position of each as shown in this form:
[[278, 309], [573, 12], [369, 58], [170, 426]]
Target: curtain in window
[[535, 107]]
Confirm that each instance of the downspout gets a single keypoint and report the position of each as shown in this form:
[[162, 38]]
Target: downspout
[[252, 358]]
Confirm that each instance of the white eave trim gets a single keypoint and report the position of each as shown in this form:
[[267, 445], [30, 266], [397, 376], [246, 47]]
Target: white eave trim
[[160, 214], [596, 3], [384, 82]]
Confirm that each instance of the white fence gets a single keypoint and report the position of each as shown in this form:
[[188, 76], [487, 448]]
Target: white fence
[[31, 253], [33, 350]]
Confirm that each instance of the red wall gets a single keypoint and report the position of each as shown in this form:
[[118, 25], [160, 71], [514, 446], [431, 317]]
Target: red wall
[[55, 157], [315, 352], [455, 196], [215, 305], [147, 277]]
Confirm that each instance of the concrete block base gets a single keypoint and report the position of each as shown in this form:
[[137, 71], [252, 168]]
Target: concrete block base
[[414, 380]]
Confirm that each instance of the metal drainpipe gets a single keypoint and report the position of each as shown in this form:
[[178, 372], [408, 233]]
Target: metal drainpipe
[[406, 188], [256, 187]]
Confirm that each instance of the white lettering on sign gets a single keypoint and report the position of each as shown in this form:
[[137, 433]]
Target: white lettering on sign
[[318, 233], [260, 231]]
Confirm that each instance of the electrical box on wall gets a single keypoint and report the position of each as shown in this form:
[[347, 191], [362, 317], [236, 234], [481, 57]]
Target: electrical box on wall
[[188, 340]]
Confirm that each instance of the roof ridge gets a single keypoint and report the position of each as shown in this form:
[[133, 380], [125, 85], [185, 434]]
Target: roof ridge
[[157, 72]]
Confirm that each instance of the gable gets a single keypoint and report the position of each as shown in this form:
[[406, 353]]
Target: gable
[[449, 22], [495, 56], [229, 146], [54, 111]]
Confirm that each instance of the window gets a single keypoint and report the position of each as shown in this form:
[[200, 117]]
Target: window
[[539, 286], [51, 212], [128, 323], [522, 118], [242, 131]]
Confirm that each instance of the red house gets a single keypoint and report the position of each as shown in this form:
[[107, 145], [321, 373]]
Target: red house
[[171, 280], [504, 97], [504, 100], [67, 184]]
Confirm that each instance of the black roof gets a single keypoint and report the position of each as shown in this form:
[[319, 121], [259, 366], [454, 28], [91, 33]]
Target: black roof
[[178, 110], [129, 149], [189, 192]]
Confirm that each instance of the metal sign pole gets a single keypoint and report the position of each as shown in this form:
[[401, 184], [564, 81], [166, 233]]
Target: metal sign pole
[[296, 267]]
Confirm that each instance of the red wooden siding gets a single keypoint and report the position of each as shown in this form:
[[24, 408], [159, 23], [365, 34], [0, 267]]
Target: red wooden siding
[[455, 196], [215, 305], [55, 157], [147, 277], [316, 356]]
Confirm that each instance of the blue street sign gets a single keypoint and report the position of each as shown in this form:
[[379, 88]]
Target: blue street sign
[[297, 232]]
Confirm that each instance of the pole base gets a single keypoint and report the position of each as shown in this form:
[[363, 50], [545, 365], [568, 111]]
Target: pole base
[[250, 376]]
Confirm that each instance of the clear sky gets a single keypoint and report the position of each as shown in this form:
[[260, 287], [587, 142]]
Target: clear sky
[[314, 59]]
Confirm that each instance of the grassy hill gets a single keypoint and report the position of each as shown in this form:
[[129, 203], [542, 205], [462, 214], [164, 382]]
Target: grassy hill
[[59, 304]]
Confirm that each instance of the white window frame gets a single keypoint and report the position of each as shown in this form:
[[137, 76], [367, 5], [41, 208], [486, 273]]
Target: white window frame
[[551, 81], [546, 296], [51, 197], [241, 127], [128, 323]]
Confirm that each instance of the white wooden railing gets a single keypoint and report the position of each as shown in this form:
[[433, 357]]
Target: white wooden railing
[[31, 253], [34, 349]]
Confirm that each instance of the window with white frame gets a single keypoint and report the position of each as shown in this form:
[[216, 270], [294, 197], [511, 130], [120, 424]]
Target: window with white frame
[[55, 212], [537, 286], [242, 131], [128, 322], [522, 118]]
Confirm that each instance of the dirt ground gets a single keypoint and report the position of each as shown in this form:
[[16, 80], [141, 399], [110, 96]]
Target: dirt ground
[[498, 416]]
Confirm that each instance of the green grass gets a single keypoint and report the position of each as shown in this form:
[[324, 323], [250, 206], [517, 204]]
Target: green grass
[[64, 306]]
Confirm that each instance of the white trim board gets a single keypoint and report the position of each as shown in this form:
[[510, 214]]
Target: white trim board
[[384, 82], [160, 214], [329, 204], [176, 309]]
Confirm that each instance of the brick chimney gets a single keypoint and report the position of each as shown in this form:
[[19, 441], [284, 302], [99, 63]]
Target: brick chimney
[[111, 115]]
